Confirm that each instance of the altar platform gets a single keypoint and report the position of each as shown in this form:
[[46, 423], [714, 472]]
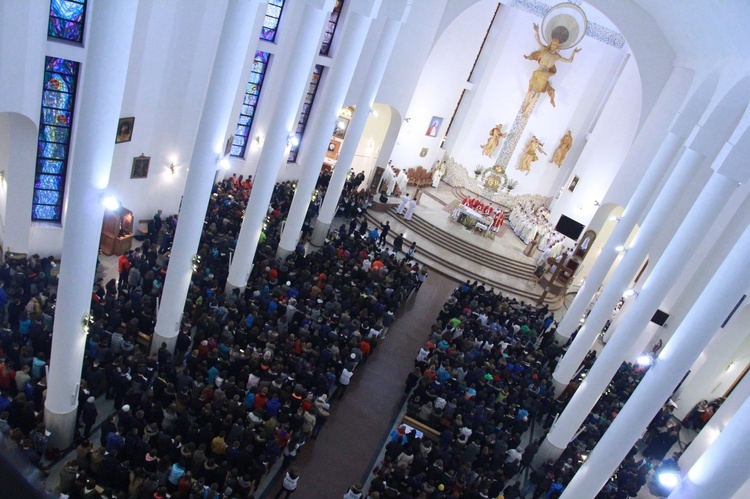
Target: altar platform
[[449, 248]]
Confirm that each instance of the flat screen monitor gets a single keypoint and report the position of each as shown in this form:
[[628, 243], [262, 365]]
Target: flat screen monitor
[[660, 317], [569, 227]]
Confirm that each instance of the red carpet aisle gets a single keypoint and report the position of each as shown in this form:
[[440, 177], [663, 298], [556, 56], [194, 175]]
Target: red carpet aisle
[[359, 423]]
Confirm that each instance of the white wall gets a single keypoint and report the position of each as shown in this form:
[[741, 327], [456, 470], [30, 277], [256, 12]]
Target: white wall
[[495, 96], [711, 374], [605, 149], [170, 64]]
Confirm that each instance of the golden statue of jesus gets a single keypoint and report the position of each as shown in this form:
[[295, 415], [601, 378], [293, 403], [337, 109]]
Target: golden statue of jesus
[[546, 56]]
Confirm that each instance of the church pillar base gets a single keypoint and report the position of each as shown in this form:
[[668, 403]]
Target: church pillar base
[[559, 386], [61, 427], [158, 339], [283, 252], [547, 450], [319, 233]]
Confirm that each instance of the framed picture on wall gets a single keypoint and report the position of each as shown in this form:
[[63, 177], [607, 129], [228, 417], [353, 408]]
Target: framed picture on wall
[[573, 183], [434, 127], [341, 126], [140, 166], [124, 130], [423, 152]]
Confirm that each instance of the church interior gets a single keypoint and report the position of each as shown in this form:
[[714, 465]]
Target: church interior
[[545, 204]]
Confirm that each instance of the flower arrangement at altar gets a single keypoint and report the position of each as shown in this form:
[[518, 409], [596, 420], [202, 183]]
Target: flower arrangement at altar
[[457, 175]]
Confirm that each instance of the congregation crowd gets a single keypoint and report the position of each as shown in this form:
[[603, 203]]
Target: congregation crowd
[[479, 385], [252, 372]]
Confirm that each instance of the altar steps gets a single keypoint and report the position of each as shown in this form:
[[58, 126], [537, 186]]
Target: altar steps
[[505, 274]]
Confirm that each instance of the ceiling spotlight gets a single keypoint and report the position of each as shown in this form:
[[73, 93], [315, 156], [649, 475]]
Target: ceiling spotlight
[[224, 163], [621, 249], [629, 292], [614, 218]]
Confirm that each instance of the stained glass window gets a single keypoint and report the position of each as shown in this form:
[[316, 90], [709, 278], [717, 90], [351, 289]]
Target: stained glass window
[[58, 99], [66, 18], [331, 27], [312, 89], [249, 103], [271, 21]]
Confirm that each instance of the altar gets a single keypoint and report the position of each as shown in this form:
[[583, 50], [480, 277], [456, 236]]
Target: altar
[[476, 221]]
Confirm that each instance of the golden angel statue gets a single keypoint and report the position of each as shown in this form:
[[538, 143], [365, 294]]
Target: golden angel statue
[[495, 135], [529, 155], [562, 150], [546, 56]]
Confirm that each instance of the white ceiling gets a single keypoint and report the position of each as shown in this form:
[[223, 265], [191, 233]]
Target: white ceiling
[[703, 29]]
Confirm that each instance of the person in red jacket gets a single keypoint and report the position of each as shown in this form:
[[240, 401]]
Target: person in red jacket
[[123, 267]]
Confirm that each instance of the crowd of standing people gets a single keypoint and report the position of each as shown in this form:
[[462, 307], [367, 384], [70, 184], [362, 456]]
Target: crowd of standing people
[[253, 373]]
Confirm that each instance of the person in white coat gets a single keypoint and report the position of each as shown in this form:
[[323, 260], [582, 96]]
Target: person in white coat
[[410, 209], [404, 202]]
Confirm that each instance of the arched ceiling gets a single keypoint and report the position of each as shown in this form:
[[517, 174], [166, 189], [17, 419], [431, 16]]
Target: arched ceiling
[[701, 31]]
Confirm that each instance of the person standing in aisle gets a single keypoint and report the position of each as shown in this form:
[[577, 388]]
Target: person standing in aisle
[[289, 485]]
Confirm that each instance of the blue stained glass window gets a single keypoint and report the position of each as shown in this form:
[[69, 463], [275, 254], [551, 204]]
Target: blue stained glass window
[[46, 212], [49, 166], [48, 182], [51, 150], [66, 19], [333, 21], [58, 100], [56, 134], [312, 89], [250, 101], [48, 197], [271, 21]]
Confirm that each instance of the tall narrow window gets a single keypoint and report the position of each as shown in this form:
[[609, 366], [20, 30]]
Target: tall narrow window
[[271, 21], [312, 89], [66, 18], [250, 103], [331, 28], [58, 99]]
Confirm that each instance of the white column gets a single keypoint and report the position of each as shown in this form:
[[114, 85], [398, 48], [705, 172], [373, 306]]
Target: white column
[[619, 236], [306, 45], [356, 127], [716, 424], [706, 207], [715, 303], [739, 220], [722, 469], [102, 88], [683, 173], [328, 105], [226, 76]]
